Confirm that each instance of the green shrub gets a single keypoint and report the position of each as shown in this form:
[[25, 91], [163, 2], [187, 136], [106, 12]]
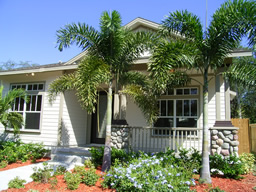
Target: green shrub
[[97, 155], [3, 164], [150, 173], [248, 161], [73, 180], [53, 182], [122, 155], [60, 170], [231, 166], [88, 164], [16, 183], [42, 175], [79, 169], [11, 151], [90, 177]]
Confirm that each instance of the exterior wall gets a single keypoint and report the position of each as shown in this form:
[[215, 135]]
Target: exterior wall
[[73, 121], [134, 116], [50, 112], [222, 99]]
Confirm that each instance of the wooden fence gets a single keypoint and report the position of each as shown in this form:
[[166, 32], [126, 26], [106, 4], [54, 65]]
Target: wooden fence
[[246, 135], [253, 137]]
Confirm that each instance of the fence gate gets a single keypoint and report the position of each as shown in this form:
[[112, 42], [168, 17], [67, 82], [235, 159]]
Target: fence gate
[[253, 137], [243, 135]]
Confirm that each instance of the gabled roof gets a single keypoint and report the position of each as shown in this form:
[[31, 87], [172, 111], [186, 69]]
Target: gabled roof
[[73, 62], [140, 22]]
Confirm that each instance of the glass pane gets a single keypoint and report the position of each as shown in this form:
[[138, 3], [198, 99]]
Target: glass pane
[[194, 91], [179, 108], [16, 106], [164, 122], [170, 107], [186, 122], [170, 92], [179, 91], [39, 103], [13, 86], [186, 91], [21, 104], [33, 107], [40, 86], [35, 87], [158, 106], [186, 107], [18, 86], [29, 102], [30, 87], [193, 107], [163, 108], [10, 125], [32, 121], [23, 87]]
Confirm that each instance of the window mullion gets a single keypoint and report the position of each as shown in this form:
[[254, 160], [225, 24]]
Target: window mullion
[[174, 113]]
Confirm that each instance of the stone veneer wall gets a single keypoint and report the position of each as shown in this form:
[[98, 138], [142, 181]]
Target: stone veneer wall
[[120, 136], [224, 141]]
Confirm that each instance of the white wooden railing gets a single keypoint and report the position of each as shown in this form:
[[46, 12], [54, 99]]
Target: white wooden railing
[[156, 139]]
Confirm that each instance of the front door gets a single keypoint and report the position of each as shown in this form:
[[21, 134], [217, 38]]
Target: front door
[[99, 120]]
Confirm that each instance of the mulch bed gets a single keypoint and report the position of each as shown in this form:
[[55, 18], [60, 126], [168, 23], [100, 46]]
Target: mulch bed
[[20, 163], [229, 185]]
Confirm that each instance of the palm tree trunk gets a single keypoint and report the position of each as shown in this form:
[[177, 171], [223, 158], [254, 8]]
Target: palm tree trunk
[[107, 150], [205, 176]]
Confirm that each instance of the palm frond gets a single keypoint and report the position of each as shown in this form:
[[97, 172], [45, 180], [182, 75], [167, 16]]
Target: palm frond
[[185, 24], [242, 72], [92, 73], [82, 35], [232, 21], [134, 78], [145, 100], [62, 84]]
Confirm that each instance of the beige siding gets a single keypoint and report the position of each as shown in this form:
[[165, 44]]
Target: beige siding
[[222, 99], [50, 112], [211, 103], [134, 116], [73, 122]]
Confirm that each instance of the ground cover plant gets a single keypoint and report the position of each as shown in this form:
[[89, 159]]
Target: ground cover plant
[[155, 172], [16, 183], [13, 151]]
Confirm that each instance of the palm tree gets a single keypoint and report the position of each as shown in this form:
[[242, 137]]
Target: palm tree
[[242, 75], [7, 117], [204, 51], [110, 54]]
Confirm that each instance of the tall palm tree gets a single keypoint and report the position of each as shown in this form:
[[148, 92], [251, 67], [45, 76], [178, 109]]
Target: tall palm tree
[[7, 117], [242, 76], [110, 54], [203, 50]]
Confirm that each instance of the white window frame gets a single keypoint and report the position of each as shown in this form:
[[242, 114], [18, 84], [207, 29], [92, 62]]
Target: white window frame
[[174, 97], [30, 93]]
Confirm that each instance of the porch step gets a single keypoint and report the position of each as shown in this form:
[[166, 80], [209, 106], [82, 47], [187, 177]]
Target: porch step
[[76, 155]]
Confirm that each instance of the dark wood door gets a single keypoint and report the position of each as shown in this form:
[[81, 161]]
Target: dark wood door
[[98, 129]]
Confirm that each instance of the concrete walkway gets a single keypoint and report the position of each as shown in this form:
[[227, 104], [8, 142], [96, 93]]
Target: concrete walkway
[[26, 171]]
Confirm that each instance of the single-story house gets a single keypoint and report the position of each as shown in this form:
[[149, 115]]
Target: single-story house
[[64, 123]]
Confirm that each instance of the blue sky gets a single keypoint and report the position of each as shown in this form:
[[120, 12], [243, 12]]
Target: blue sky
[[28, 27]]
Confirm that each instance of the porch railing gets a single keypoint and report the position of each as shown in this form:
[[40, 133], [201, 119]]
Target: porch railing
[[156, 139]]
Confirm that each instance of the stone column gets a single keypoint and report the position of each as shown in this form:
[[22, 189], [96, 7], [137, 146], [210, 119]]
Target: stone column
[[120, 137], [224, 141]]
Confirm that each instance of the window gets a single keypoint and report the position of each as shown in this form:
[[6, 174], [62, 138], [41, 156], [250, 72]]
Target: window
[[31, 111], [178, 109]]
